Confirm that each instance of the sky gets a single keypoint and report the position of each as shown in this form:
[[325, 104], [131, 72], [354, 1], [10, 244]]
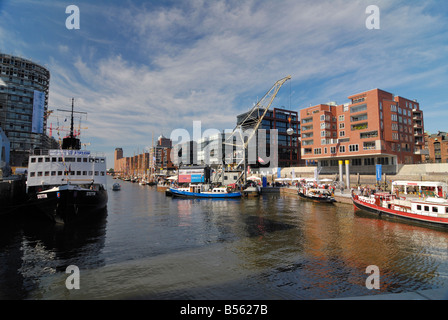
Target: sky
[[142, 69]]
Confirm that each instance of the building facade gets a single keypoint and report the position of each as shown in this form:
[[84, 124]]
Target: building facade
[[375, 127], [288, 142], [144, 164], [437, 147], [24, 87], [118, 154], [4, 151]]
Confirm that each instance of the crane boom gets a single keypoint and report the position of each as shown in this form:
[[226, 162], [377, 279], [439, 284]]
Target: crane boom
[[256, 114]]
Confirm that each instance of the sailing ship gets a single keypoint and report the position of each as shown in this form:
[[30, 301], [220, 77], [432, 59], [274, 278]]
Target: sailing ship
[[67, 184]]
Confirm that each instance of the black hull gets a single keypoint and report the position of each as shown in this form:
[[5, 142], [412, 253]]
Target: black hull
[[67, 206], [317, 199]]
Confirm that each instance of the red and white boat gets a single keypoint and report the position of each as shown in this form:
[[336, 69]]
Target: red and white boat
[[431, 210]]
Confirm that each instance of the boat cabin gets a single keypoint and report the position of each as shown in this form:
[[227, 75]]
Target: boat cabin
[[430, 207], [424, 188], [56, 167]]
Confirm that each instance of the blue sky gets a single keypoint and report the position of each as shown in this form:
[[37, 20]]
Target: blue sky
[[145, 68]]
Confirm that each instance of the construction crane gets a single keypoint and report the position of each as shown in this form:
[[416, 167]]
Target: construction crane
[[252, 120]]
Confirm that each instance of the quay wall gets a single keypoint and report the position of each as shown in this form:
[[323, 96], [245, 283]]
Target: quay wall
[[416, 172], [340, 198]]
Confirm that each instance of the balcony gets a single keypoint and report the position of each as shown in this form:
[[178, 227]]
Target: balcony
[[306, 128]]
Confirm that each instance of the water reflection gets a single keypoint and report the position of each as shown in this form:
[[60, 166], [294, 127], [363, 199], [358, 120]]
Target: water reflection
[[33, 249], [272, 247]]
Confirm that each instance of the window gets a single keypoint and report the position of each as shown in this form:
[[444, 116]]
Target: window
[[419, 207], [394, 117], [341, 149], [341, 118], [342, 125], [353, 148], [359, 108], [342, 133], [318, 151], [426, 208], [360, 117], [369, 145], [435, 209], [332, 150], [370, 134]]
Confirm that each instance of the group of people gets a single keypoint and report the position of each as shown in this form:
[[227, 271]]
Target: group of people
[[367, 191]]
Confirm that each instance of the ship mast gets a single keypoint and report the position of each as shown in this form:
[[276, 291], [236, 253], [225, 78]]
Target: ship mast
[[71, 142]]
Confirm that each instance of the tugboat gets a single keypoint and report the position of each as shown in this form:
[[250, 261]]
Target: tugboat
[[67, 184]]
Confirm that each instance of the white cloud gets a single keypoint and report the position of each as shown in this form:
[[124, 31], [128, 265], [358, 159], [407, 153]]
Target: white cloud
[[210, 60]]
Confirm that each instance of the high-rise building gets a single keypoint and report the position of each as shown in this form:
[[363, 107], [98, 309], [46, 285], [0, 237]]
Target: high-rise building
[[375, 127], [118, 154], [24, 87]]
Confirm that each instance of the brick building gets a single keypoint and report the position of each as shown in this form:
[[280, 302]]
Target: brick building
[[437, 147], [375, 127]]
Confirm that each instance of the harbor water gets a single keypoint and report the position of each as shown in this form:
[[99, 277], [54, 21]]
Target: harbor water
[[150, 246]]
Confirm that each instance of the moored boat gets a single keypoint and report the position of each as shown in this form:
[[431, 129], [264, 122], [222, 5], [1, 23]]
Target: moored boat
[[430, 210], [69, 183], [316, 195], [204, 191], [251, 190]]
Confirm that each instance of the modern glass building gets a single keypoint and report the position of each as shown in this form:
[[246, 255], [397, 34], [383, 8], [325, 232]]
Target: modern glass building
[[288, 142], [24, 89]]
